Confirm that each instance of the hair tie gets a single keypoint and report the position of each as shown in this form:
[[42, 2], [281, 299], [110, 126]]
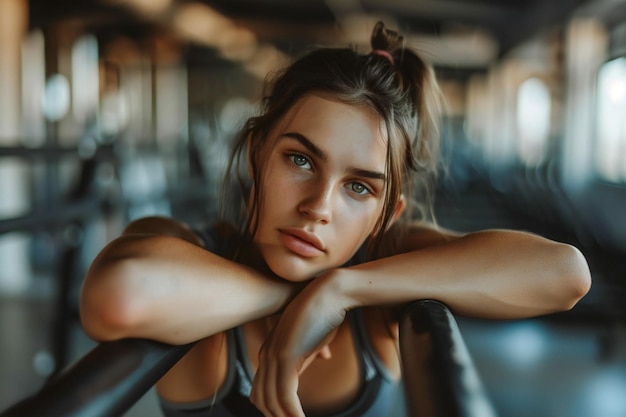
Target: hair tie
[[384, 54]]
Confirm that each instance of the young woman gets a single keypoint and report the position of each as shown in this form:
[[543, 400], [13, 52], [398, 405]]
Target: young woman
[[297, 310]]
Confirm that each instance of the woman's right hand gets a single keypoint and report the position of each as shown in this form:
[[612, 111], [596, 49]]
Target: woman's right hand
[[306, 327]]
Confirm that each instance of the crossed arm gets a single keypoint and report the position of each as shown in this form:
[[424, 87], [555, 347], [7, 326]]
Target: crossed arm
[[155, 281], [491, 274]]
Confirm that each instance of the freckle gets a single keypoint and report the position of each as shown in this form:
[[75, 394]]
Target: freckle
[[370, 282]]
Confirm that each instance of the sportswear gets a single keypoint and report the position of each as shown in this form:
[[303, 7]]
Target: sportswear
[[231, 400]]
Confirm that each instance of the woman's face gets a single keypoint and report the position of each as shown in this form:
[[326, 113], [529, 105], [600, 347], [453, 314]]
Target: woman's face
[[323, 185]]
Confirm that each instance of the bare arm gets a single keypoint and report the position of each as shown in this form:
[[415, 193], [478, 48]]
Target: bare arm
[[490, 274], [156, 282]]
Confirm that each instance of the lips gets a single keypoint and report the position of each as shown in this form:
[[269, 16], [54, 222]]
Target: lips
[[301, 242]]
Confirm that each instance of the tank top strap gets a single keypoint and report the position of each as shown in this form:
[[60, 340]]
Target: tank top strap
[[175, 409], [372, 363], [243, 367]]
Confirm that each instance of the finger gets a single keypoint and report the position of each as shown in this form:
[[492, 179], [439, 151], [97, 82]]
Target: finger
[[257, 394], [274, 395], [265, 383], [287, 390], [270, 389]]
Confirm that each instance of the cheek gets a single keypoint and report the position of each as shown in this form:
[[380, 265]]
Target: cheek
[[360, 219], [280, 192]]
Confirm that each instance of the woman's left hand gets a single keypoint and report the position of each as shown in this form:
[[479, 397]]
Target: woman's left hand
[[307, 325]]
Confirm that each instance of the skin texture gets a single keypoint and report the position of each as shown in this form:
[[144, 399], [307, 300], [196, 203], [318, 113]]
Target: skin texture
[[314, 170], [320, 201]]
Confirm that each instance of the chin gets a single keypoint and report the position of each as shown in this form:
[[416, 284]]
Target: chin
[[291, 267], [295, 276], [294, 271]]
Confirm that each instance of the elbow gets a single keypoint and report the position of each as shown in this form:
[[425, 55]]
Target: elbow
[[575, 277], [108, 310]]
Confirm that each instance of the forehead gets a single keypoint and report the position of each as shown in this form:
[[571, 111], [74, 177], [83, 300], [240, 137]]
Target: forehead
[[332, 123]]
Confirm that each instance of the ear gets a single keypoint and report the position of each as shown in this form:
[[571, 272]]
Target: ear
[[399, 209]]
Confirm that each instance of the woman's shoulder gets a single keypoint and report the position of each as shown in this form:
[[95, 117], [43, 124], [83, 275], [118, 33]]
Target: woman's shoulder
[[219, 237]]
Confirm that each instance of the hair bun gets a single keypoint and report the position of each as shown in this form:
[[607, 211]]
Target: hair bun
[[384, 39]]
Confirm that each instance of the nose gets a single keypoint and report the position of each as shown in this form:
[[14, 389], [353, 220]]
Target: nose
[[317, 204]]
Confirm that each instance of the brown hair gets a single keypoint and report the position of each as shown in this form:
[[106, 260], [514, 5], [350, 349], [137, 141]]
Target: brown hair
[[401, 90]]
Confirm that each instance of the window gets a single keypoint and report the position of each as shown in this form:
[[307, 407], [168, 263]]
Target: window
[[533, 120], [610, 146]]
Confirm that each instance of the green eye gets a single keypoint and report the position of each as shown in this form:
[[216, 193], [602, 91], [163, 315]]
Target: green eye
[[300, 161], [358, 188]]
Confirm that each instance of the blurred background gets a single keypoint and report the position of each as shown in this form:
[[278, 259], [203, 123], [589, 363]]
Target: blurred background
[[115, 109]]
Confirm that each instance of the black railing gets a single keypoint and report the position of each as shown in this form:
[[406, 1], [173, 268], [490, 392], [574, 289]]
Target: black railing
[[439, 377], [438, 373], [105, 382]]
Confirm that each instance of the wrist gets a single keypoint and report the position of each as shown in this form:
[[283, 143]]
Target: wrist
[[341, 284], [287, 291]]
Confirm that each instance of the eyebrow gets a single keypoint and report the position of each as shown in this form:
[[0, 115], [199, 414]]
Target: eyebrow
[[307, 144], [320, 153], [375, 175]]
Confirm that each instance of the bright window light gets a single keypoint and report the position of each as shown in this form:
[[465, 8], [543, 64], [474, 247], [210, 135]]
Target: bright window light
[[610, 146], [533, 120]]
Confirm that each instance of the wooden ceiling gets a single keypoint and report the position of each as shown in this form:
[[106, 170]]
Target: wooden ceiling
[[291, 25]]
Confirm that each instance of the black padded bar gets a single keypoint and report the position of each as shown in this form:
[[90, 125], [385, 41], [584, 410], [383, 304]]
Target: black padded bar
[[106, 382], [439, 376]]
